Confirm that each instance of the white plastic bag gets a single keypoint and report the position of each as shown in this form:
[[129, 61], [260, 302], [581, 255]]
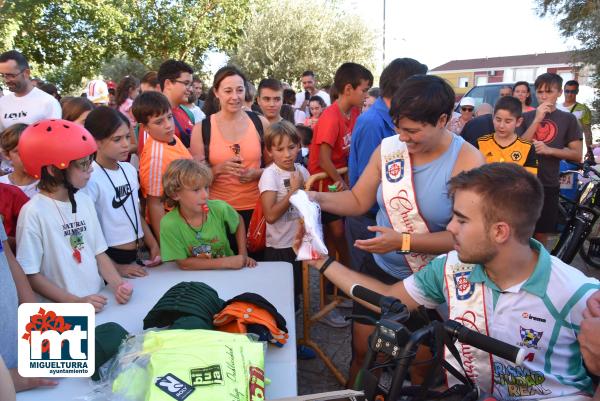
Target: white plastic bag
[[312, 243]]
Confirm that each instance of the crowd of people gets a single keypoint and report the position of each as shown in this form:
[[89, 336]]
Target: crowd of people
[[125, 177]]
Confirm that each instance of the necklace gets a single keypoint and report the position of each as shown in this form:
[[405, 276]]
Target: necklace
[[197, 233], [76, 237]]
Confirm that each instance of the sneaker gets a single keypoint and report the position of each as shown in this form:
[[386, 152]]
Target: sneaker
[[303, 353], [335, 319], [347, 303]]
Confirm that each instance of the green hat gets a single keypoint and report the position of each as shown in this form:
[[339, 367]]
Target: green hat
[[192, 323], [188, 298], [109, 337]]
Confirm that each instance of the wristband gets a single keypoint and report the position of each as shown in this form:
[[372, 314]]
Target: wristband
[[326, 265], [405, 243]]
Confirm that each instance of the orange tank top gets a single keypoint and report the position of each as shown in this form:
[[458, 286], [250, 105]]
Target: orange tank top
[[227, 187]]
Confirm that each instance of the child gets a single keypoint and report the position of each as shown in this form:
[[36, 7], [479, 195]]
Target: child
[[306, 135], [9, 142], [504, 145], [153, 111], [556, 136], [329, 151], [316, 105], [60, 245], [114, 189], [13, 200], [194, 233]]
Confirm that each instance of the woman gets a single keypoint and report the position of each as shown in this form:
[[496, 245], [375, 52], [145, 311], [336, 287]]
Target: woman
[[235, 145], [127, 90], [76, 109], [316, 105], [522, 92], [412, 169]]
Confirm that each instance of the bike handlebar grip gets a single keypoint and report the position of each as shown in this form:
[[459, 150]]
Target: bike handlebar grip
[[366, 294], [488, 344]]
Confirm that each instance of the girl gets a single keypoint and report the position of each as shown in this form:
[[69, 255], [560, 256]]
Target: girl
[[113, 188], [76, 109], [127, 90], [195, 232], [316, 105]]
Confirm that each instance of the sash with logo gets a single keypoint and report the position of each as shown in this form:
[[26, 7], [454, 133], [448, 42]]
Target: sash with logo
[[399, 196], [466, 305]]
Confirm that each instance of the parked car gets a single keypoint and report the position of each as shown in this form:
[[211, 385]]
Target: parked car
[[489, 93]]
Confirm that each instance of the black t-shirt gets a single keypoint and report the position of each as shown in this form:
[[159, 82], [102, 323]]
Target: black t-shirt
[[476, 128], [557, 130]]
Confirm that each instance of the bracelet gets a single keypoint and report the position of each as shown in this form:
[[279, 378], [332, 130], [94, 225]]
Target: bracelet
[[326, 265], [405, 243]]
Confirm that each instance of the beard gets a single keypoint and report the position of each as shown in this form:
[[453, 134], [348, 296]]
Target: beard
[[480, 253]]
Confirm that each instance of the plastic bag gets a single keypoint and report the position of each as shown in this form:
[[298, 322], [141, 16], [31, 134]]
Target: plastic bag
[[312, 243]]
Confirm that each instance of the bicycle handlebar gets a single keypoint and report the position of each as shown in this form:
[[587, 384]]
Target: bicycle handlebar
[[454, 329]]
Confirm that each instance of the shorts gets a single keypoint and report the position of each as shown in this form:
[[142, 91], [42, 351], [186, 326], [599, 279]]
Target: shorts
[[549, 217], [327, 217], [418, 318], [122, 256], [356, 228]]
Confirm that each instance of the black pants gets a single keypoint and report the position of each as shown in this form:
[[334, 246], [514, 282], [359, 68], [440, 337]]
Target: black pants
[[287, 255]]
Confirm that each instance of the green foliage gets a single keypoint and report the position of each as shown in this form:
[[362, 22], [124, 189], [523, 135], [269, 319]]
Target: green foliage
[[580, 19], [120, 66], [70, 40], [284, 38]]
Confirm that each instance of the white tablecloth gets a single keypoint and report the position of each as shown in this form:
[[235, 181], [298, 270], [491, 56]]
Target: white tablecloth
[[272, 280]]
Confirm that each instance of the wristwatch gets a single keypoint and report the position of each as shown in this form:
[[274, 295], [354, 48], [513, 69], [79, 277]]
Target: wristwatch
[[405, 244]]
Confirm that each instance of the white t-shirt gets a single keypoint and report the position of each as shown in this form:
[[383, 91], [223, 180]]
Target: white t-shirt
[[300, 99], [281, 233], [197, 113], [115, 204], [31, 108], [30, 190], [299, 117], [48, 236]]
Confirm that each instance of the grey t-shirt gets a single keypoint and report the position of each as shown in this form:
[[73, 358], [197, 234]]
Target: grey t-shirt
[[9, 302], [556, 130]]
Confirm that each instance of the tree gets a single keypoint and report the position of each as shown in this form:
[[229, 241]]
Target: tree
[[285, 38], [580, 19]]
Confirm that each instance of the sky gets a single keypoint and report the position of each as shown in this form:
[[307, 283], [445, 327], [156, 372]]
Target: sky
[[437, 31]]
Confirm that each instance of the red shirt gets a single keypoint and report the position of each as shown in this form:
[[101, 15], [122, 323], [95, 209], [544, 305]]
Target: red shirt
[[334, 129], [183, 125], [13, 200]]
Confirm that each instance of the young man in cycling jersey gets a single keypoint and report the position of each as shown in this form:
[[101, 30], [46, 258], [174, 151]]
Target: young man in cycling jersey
[[502, 283]]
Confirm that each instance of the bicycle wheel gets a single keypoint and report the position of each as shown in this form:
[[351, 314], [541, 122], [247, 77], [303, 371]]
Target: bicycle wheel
[[590, 247], [570, 241]]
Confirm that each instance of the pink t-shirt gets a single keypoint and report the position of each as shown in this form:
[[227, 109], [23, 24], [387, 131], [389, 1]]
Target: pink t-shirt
[[125, 108]]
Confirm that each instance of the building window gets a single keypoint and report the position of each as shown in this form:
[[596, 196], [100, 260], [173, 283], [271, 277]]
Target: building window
[[463, 82], [481, 81]]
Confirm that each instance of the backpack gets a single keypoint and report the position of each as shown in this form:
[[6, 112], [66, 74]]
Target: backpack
[[257, 125]]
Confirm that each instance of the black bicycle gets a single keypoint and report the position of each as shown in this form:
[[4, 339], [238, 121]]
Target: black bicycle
[[392, 339], [581, 232]]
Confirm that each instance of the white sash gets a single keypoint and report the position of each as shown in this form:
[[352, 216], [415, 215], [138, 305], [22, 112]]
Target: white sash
[[466, 305], [399, 196]]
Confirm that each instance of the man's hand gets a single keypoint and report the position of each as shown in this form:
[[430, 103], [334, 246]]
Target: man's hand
[[98, 301], [589, 343], [592, 306], [27, 383], [389, 240]]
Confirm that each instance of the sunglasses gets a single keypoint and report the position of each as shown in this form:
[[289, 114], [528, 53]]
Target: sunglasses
[[467, 108], [574, 91]]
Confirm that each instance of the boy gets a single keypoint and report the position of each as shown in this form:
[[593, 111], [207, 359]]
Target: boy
[[504, 145], [9, 142], [153, 111], [556, 136], [194, 232], [331, 145], [60, 245], [175, 79], [270, 99]]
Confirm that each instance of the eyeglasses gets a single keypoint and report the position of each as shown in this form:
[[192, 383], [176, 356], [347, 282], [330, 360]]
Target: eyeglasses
[[11, 76], [83, 164], [467, 108], [187, 84], [574, 91]]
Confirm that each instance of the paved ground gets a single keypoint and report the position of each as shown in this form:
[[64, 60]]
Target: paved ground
[[313, 375]]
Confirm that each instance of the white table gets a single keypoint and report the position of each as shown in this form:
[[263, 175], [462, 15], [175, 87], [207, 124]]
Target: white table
[[272, 280]]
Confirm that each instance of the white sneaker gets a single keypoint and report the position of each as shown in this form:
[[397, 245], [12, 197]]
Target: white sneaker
[[334, 319]]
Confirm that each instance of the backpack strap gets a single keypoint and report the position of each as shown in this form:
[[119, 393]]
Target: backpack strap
[[573, 108], [257, 125]]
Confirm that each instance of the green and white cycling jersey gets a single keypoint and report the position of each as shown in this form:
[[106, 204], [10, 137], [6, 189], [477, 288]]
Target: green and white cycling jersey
[[542, 315]]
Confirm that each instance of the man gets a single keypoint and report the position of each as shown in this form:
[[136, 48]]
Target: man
[[198, 89], [26, 103], [506, 91], [580, 110], [504, 282], [270, 99], [175, 79], [149, 82], [310, 90]]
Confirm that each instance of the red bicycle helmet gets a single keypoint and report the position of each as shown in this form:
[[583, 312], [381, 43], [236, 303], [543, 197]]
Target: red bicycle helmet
[[54, 142]]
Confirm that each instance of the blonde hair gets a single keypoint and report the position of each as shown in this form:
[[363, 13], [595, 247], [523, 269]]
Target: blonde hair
[[184, 173], [280, 130], [9, 139]]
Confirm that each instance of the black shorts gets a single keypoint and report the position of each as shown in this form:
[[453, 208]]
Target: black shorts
[[418, 318], [549, 217], [327, 217], [122, 256]]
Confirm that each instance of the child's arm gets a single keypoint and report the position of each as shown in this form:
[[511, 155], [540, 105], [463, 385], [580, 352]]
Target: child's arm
[[272, 209], [152, 245], [229, 262], [156, 211], [24, 290], [540, 113], [328, 166], [108, 272], [46, 288], [572, 152], [240, 238]]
